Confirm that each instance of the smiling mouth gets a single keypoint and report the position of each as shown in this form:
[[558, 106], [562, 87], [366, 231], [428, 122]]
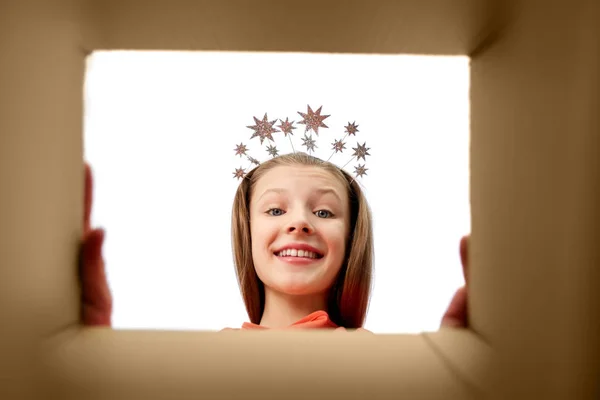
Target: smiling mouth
[[293, 253]]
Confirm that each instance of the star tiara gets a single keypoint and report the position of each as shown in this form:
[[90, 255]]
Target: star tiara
[[263, 130]]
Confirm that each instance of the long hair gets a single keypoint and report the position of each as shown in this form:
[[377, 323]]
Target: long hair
[[349, 296]]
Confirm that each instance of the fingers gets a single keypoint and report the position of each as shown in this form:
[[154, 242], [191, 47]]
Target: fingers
[[456, 314], [96, 296], [87, 199], [464, 255]]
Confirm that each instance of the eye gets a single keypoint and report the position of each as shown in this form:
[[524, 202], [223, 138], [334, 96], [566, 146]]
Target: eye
[[324, 214], [275, 212]]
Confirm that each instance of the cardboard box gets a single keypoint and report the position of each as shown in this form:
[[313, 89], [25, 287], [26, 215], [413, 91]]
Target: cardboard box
[[535, 180]]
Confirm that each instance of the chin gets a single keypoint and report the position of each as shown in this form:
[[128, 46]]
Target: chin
[[299, 291], [304, 288], [303, 294]]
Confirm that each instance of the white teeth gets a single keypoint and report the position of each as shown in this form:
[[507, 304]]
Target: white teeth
[[297, 253]]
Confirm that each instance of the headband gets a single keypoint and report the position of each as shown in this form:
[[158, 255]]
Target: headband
[[266, 132]]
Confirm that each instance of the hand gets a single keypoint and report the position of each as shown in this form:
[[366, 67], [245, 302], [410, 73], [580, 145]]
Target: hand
[[96, 299], [457, 314]]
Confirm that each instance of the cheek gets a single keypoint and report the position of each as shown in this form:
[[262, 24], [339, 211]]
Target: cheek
[[257, 253], [337, 241], [262, 236], [256, 240]]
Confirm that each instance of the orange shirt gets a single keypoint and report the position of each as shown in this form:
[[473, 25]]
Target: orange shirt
[[315, 320]]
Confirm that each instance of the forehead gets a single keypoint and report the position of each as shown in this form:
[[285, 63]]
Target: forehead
[[299, 179]]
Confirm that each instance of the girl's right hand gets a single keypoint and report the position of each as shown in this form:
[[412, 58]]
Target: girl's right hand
[[96, 299], [457, 314]]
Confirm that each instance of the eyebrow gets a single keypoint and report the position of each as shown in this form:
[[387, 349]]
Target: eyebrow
[[321, 191]]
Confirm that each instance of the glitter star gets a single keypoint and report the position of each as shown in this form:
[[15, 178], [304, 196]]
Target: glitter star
[[286, 127], [338, 145], [360, 170], [240, 149], [313, 120], [263, 129], [272, 150], [309, 142], [253, 160], [361, 151], [352, 128], [239, 173]]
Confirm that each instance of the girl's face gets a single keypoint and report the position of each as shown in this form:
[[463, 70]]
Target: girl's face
[[299, 224]]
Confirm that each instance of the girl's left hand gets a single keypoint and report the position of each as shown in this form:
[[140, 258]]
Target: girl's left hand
[[96, 298], [457, 313]]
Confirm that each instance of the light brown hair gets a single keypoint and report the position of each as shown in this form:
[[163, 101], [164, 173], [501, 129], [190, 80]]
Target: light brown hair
[[350, 293]]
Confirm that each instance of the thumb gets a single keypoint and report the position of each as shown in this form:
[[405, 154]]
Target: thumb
[[456, 315]]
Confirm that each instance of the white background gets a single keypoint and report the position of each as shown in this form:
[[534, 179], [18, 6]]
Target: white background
[[160, 133]]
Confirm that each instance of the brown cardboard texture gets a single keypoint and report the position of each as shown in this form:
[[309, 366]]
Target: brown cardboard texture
[[535, 193]]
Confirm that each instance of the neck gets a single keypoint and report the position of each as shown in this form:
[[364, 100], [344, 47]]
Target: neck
[[282, 310]]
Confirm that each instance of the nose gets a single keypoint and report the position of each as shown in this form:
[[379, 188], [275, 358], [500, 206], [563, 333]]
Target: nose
[[299, 224]]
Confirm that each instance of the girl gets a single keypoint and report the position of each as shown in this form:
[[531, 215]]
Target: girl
[[302, 243]]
